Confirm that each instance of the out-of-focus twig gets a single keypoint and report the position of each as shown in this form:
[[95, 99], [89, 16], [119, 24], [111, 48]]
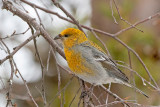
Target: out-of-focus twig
[[39, 17], [24, 81], [102, 43], [19, 47], [68, 14], [143, 80], [48, 59], [131, 74], [9, 6], [58, 72], [74, 97], [14, 34], [50, 102], [115, 21], [123, 18], [90, 28], [137, 23], [112, 103], [9, 93], [114, 95], [109, 88], [149, 74], [42, 66]]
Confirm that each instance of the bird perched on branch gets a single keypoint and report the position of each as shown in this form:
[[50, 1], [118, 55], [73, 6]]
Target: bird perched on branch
[[89, 62]]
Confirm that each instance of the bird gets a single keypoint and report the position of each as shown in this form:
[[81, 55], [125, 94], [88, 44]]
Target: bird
[[89, 62]]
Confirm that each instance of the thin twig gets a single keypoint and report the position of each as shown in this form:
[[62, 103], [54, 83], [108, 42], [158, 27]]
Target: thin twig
[[115, 21], [141, 105], [68, 14], [114, 95], [48, 59], [90, 28], [50, 102], [124, 19], [137, 23], [143, 80], [150, 76], [9, 95], [112, 103], [14, 34], [9, 6], [109, 88], [74, 97], [24, 81], [102, 43], [63, 99], [42, 68], [58, 71], [96, 98], [39, 17], [131, 74], [19, 47]]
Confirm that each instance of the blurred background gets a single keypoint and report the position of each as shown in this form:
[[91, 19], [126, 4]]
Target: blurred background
[[94, 13]]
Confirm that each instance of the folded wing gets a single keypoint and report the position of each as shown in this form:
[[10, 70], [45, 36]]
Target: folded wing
[[106, 62]]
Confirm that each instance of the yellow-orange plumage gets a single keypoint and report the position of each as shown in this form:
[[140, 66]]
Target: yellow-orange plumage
[[75, 61]]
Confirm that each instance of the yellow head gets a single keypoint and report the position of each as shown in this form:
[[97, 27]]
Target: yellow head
[[71, 37]]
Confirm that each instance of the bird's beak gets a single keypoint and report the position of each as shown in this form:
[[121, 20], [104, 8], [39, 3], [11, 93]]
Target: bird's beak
[[57, 37]]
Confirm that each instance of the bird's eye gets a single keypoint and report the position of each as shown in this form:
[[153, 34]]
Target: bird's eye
[[65, 35]]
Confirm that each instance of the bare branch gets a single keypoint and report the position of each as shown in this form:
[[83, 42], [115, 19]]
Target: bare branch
[[124, 19], [24, 81], [114, 95], [43, 71], [112, 103], [19, 47], [14, 34], [68, 14], [115, 21], [89, 28], [9, 94], [58, 71], [137, 23], [101, 42], [7, 5], [50, 102], [74, 97], [149, 74]]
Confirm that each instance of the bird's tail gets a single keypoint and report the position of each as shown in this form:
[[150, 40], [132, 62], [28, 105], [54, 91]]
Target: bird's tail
[[136, 89]]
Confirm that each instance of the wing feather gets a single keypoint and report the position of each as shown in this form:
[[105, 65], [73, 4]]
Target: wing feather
[[106, 62]]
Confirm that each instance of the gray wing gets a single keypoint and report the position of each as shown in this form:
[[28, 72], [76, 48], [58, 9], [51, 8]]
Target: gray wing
[[106, 62]]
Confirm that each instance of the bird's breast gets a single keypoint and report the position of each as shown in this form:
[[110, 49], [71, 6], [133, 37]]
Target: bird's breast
[[76, 62]]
